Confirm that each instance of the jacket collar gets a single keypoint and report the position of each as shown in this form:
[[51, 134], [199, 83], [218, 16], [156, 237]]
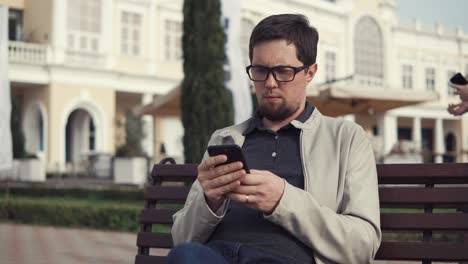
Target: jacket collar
[[236, 132]]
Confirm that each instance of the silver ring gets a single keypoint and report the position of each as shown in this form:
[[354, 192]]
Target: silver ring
[[246, 198]]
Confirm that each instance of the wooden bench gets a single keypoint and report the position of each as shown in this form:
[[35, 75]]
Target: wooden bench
[[424, 213]]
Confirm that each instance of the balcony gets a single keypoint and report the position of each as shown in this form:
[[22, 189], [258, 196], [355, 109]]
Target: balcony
[[27, 53], [41, 54]]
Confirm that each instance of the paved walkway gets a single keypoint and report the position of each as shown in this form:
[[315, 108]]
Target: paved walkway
[[24, 244]]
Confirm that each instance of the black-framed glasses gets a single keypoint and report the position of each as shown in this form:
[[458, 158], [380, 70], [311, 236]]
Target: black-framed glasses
[[280, 73]]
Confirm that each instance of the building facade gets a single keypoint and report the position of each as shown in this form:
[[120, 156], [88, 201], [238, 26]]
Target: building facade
[[78, 66]]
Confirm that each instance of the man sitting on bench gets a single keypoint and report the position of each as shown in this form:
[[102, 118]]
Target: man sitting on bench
[[311, 195]]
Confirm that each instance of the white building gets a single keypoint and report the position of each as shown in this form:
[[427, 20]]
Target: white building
[[392, 64], [78, 66]]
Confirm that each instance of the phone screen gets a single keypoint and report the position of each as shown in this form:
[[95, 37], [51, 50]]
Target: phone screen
[[233, 152]]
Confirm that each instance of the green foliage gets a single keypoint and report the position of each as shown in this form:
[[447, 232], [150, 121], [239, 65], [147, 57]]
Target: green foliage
[[70, 214], [206, 103], [126, 195], [133, 136], [17, 133]]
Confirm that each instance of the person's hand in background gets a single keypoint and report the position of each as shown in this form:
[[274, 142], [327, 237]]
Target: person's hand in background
[[458, 109], [461, 90]]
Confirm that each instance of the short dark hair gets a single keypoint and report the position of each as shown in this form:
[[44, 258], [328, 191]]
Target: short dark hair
[[293, 28]]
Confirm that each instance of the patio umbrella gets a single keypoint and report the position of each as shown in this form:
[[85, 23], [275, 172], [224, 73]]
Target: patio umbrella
[[337, 101]]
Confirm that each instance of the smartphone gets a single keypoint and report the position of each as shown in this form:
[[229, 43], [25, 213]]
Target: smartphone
[[233, 153], [458, 79]]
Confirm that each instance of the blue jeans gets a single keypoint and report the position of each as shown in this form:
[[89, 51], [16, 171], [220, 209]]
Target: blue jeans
[[223, 252]]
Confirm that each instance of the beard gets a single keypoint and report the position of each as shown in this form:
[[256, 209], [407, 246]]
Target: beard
[[278, 113]]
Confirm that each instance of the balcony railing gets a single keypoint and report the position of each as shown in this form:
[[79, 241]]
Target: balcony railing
[[29, 53], [89, 59]]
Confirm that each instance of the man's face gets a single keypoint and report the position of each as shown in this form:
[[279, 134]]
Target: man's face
[[279, 100]]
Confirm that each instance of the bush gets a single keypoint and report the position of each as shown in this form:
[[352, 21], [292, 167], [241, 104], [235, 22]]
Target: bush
[[70, 214], [122, 195]]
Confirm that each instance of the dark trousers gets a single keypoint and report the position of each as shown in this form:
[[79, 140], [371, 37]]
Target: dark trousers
[[222, 252]]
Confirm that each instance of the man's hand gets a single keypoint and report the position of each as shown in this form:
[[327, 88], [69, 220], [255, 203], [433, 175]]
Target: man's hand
[[458, 109], [219, 181], [461, 90], [260, 190]]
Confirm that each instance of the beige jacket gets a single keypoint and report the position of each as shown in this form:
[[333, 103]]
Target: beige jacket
[[337, 214]]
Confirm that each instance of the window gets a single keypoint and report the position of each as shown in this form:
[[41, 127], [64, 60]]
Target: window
[[84, 25], [173, 40], [15, 25], [450, 90], [130, 33], [330, 66], [430, 79], [407, 76], [368, 52], [92, 135]]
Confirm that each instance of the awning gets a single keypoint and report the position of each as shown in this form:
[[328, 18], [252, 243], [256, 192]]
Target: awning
[[337, 101], [331, 101], [168, 104]]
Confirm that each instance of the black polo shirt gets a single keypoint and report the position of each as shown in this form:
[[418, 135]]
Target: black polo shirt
[[279, 153]]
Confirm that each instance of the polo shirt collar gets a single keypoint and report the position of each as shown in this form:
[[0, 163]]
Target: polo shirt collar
[[256, 121]]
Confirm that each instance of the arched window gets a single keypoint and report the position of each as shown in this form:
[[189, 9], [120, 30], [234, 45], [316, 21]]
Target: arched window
[[368, 52]]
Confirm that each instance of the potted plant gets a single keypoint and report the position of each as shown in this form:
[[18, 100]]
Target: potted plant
[[131, 163], [28, 166]]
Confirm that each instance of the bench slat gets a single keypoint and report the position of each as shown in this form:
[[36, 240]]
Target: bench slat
[[157, 216], [154, 240], [174, 173], [436, 251], [166, 193], [399, 195], [141, 259], [441, 173], [421, 221], [457, 170]]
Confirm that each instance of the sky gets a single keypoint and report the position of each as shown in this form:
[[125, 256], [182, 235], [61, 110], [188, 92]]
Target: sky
[[450, 13]]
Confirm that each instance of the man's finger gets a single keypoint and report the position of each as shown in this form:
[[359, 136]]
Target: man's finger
[[242, 198], [246, 189], [212, 162], [225, 189], [215, 172], [228, 168], [225, 179]]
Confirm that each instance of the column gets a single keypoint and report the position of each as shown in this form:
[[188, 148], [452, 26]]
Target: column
[[416, 137], [439, 141], [152, 38], [148, 127], [388, 131], [108, 30], [464, 139], [58, 41]]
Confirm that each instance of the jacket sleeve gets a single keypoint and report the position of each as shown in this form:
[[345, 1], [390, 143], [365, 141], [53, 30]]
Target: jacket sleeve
[[195, 221], [353, 234]]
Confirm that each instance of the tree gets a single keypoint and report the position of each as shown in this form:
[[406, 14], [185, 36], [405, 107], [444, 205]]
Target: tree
[[133, 135], [206, 103]]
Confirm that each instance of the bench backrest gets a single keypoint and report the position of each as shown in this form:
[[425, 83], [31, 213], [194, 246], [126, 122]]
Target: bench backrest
[[424, 213]]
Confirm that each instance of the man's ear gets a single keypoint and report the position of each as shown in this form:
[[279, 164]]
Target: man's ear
[[311, 72]]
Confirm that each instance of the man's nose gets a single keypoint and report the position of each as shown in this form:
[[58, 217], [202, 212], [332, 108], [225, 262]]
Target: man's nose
[[270, 82]]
